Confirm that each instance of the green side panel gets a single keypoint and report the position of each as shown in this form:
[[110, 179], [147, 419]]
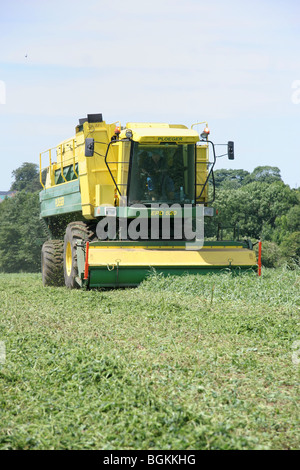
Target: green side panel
[[131, 276], [68, 172], [60, 199]]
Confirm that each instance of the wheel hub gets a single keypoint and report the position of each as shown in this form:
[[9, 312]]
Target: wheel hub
[[69, 259]]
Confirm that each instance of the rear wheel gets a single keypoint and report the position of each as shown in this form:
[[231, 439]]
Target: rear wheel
[[52, 263], [75, 232]]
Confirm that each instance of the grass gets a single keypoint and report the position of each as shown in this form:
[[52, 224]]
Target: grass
[[177, 363]]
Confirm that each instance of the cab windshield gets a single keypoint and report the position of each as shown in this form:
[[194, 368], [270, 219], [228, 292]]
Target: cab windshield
[[162, 174]]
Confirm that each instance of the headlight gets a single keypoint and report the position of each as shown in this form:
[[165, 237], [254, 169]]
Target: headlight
[[129, 133]]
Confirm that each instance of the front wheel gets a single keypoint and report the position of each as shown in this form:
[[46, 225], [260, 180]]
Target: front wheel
[[52, 263], [75, 232]]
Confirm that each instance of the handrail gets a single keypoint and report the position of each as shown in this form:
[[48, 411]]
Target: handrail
[[75, 172], [107, 163], [59, 148], [61, 164], [197, 123], [210, 173], [41, 180], [117, 122], [50, 164]]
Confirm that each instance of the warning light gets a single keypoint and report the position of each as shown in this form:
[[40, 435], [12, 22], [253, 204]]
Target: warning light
[[205, 133], [117, 130]]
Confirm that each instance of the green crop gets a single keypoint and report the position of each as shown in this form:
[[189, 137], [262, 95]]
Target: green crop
[[191, 362]]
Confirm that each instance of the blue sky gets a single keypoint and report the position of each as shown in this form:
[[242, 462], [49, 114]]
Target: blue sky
[[233, 64]]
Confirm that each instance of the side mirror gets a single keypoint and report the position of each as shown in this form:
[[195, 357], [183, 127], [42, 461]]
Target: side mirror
[[230, 150], [89, 147]]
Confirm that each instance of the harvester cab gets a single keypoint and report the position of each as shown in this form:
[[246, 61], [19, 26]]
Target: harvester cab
[[116, 203]]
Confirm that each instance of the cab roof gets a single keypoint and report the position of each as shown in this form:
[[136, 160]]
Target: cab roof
[[161, 133]]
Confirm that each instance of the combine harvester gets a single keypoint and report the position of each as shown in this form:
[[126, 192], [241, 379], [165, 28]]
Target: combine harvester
[[120, 202]]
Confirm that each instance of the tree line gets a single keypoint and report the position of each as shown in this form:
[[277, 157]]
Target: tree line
[[257, 205]]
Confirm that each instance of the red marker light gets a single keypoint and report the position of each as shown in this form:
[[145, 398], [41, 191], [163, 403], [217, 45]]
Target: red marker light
[[205, 134]]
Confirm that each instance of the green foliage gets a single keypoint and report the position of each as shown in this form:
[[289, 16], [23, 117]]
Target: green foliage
[[256, 207], [184, 362], [234, 179], [26, 178], [235, 207], [230, 179], [20, 230], [293, 219], [264, 174], [290, 248], [271, 255]]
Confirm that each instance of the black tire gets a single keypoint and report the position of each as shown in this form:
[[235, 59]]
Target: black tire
[[52, 263], [75, 232]]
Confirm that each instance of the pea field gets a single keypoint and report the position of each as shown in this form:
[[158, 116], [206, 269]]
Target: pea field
[[191, 362]]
